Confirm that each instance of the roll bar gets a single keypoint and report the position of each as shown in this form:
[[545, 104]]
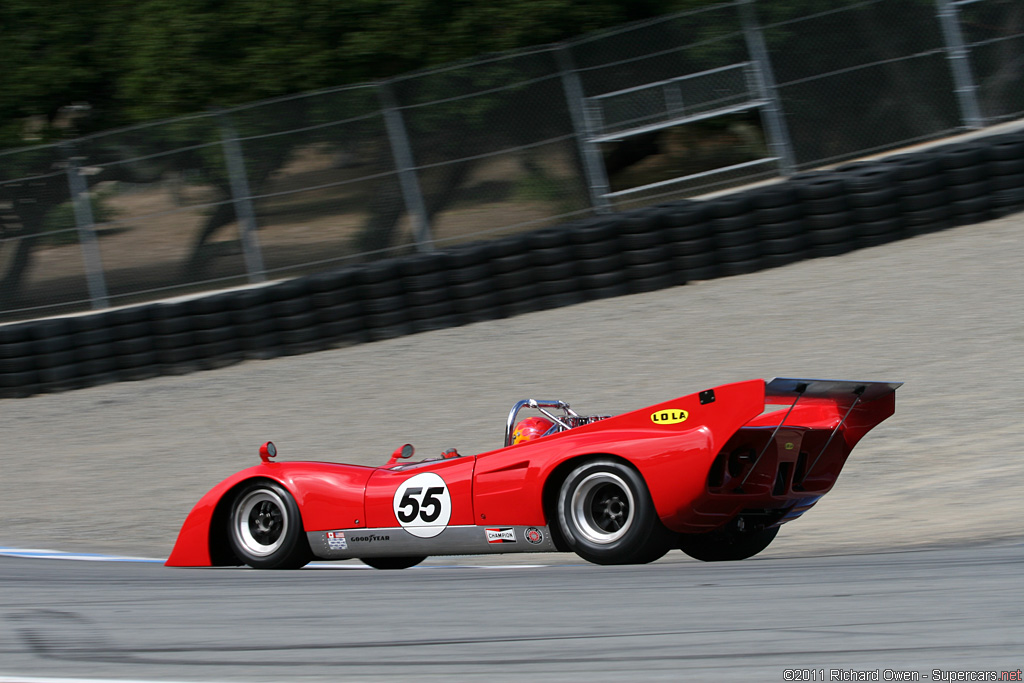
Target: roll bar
[[564, 422]]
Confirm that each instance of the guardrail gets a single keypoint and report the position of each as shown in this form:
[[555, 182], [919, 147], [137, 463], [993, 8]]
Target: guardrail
[[822, 213]]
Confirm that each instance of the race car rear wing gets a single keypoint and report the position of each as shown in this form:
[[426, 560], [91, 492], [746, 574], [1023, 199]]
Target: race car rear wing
[[846, 395], [837, 390]]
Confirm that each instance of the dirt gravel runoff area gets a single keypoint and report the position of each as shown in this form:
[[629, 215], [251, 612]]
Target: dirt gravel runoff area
[[116, 468]]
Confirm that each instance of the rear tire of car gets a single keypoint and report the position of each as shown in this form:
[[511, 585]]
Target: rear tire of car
[[730, 543], [265, 528], [391, 562], [606, 515]]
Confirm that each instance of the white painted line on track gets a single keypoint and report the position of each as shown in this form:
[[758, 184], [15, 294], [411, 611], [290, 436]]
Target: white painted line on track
[[33, 679], [324, 565], [40, 554]]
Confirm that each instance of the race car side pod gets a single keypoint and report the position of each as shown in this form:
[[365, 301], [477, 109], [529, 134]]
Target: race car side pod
[[799, 390]]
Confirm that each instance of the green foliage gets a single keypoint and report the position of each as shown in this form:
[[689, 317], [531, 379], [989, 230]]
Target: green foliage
[[54, 55], [153, 59]]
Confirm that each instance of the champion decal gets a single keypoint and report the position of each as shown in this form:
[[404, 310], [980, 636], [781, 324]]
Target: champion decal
[[501, 535]]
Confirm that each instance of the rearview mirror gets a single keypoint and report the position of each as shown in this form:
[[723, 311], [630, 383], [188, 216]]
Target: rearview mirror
[[403, 452]]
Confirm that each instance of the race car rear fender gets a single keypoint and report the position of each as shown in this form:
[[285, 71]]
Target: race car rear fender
[[673, 455]]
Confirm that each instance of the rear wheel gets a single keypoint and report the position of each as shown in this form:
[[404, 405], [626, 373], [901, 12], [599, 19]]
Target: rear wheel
[[606, 515], [391, 562], [735, 541], [265, 529]]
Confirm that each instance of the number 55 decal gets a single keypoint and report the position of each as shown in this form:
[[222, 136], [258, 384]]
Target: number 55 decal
[[423, 505]]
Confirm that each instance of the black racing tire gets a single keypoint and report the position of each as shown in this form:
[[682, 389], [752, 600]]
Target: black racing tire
[[773, 196], [685, 216], [743, 267], [601, 280], [913, 166], [980, 188], [653, 283], [866, 214], [795, 245], [605, 264], [777, 214], [692, 247], [685, 233], [431, 311], [632, 241], [599, 249], [639, 257], [728, 544], [265, 528], [606, 516], [1011, 181], [737, 238], [392, 562], [922, 185], [965, 174]]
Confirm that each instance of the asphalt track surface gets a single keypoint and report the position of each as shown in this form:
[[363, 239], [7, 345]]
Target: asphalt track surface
[[675, 620], [116, 468]]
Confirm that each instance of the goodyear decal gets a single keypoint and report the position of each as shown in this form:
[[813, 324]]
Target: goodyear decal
[[670, 416]]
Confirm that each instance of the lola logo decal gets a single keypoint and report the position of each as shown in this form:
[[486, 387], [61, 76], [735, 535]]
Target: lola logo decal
[[671, 416]]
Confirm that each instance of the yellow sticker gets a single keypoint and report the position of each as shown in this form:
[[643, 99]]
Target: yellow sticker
[[669, 417], [789, 446]]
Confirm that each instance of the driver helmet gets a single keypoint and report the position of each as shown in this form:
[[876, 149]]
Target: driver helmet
[[532, 428]]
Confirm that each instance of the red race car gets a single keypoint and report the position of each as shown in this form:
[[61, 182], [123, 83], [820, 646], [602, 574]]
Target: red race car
[[713, 473]]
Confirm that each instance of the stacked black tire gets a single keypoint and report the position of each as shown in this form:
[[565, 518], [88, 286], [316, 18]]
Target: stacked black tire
[[779, 220], [818, 214], [1005, 162]]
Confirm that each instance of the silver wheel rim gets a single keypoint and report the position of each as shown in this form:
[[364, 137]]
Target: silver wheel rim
[[602, 507], [260, 522]]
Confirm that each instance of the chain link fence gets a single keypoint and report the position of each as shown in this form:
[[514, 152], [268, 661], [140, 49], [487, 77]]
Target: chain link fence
[[643, 114]]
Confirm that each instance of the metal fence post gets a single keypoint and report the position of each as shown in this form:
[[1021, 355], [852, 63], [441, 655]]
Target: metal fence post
[[590, 154], [775, 121], [960, 64], [411, 192], [82, 204], [242, 199]]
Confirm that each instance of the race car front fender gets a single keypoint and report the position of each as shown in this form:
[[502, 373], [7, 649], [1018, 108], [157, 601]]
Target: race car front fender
[[329, 496]]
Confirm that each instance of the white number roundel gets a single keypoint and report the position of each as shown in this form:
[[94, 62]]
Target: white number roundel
[[423, 505]]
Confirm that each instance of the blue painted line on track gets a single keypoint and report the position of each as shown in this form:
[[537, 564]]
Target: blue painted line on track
[[39, 554]]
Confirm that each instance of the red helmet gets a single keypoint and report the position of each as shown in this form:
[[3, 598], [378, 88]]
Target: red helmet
[[531, 428]]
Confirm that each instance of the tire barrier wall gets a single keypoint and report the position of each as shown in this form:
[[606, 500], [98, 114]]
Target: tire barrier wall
[[822, 213]]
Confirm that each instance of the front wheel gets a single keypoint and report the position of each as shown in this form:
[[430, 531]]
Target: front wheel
[[391, 562], [606, 515], [735, 541], [266, 528]]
